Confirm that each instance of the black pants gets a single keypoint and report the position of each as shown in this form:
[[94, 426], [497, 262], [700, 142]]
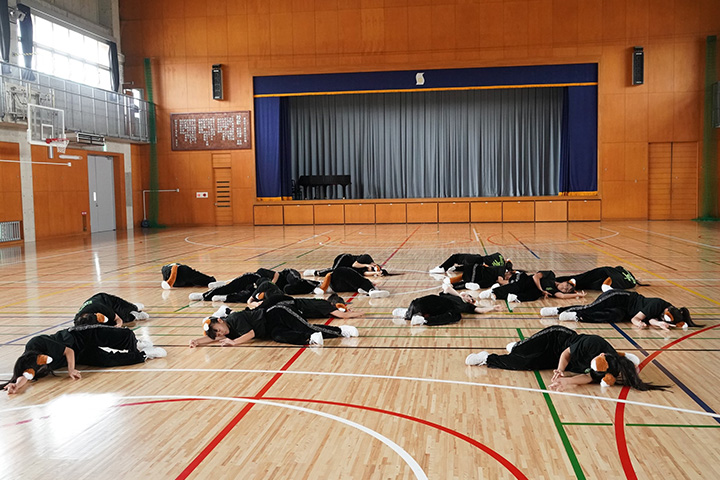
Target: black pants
[[593, 279], [346, 279], [295, 284], [538, 352], [524, 288], [121, 307], [186, 277], [462, 259], [91, 338], [610, 307], [285, 325], [235, 289]]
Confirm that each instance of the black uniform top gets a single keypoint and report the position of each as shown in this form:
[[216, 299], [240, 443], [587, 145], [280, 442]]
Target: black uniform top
[[547, 282], [95, 304], [242, 322], [583, 348], [432, 305], [651, 307], [53, 345], [483, 275]]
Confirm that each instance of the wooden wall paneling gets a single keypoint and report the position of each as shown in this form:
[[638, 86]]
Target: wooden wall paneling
[[454, 212], [584, 210], [222, 195], [217, 36], [243, 199], [423, 212], [551, 211], [298, 214], [390, 213], [684, 185], [329, 214], [119, 177], [268, 214], [518, 211], [359, 213], [660, 179], [486, 212], [10, 184]]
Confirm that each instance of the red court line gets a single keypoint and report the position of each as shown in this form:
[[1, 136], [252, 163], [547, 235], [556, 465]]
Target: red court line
[[223, 433], [492, 453], [620, 439]]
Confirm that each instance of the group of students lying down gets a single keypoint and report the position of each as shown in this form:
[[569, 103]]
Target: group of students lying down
[[272, 313]]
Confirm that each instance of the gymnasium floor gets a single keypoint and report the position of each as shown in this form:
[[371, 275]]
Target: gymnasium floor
[[397, 402]]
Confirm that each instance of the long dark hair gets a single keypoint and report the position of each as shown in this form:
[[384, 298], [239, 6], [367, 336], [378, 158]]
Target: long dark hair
[[627, 373], [682, 315], [26, 361]]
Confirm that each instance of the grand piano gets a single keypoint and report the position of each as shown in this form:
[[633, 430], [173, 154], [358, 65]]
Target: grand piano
[[322, 182]]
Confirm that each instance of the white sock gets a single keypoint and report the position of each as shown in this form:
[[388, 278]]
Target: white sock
[[349, 331], [316, 339]]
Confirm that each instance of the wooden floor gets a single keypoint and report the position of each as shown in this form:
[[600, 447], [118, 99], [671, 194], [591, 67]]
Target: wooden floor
[[397, 402]]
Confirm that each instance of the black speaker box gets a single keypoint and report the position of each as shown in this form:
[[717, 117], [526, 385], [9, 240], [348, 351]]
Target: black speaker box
[[217, 82], [638, 66]]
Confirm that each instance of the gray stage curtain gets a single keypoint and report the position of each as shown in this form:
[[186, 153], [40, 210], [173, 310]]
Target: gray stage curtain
[[475, 143]]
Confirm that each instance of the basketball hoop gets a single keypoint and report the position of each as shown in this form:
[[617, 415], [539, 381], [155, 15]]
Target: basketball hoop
[[59, 143]]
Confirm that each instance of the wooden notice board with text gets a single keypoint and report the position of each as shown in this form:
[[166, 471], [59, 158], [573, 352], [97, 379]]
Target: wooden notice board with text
[[211, 131]]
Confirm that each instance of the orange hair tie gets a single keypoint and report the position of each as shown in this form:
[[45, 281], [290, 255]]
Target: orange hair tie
[[101, 318], [44, 359], [341, 306], [206, 324], [608, 380], [29, 374]]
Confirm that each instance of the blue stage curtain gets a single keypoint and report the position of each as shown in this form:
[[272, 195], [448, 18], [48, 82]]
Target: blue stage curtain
[[578, 162], [272, 167]]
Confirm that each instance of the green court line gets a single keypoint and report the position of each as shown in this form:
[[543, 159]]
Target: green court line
[[310, 251], [558, 424], [658, 425], [182, 308]]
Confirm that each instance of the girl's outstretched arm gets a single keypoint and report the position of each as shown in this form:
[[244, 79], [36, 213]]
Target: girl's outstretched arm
[[227, 342], [196, 342]]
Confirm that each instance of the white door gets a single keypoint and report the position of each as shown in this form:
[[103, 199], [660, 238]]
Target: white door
[[102, 193]]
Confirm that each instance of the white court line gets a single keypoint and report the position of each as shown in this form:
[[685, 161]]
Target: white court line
[[676, 238], [250, 248], [477, 238], [414, 379], [409, 460]]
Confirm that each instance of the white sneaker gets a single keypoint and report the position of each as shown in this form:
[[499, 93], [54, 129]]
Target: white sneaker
[[349, 331], [195, 296], [510, 346], [219, 298], [418, 320], [140, 307], [212, 285], [477, 358], [472, 286], [512, 298], [548, 311], [140, 315], [568, 317], [143, 344], [437, 270], [222, 312], [399, 312], [379, 293], [362, 291], [309, 273], [165, 285], [316, 339], [154, 352], [485, 294], [319, 291]]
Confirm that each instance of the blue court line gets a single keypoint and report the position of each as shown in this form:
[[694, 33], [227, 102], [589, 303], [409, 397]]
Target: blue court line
[[672, 377], [35, 333], [521, 243]]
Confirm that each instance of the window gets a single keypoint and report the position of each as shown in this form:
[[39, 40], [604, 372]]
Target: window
[[68, 54]]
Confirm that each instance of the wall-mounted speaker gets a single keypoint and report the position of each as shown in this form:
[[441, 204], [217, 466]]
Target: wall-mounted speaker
[[638, 66], [217, 82]]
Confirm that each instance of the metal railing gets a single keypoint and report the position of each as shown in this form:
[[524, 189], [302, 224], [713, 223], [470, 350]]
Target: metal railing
[[87, 109]]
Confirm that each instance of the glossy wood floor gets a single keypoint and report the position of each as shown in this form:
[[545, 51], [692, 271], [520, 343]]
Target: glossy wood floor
[[397, 402]]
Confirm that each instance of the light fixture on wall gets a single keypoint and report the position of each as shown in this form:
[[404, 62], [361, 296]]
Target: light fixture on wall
[[420, 78]]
